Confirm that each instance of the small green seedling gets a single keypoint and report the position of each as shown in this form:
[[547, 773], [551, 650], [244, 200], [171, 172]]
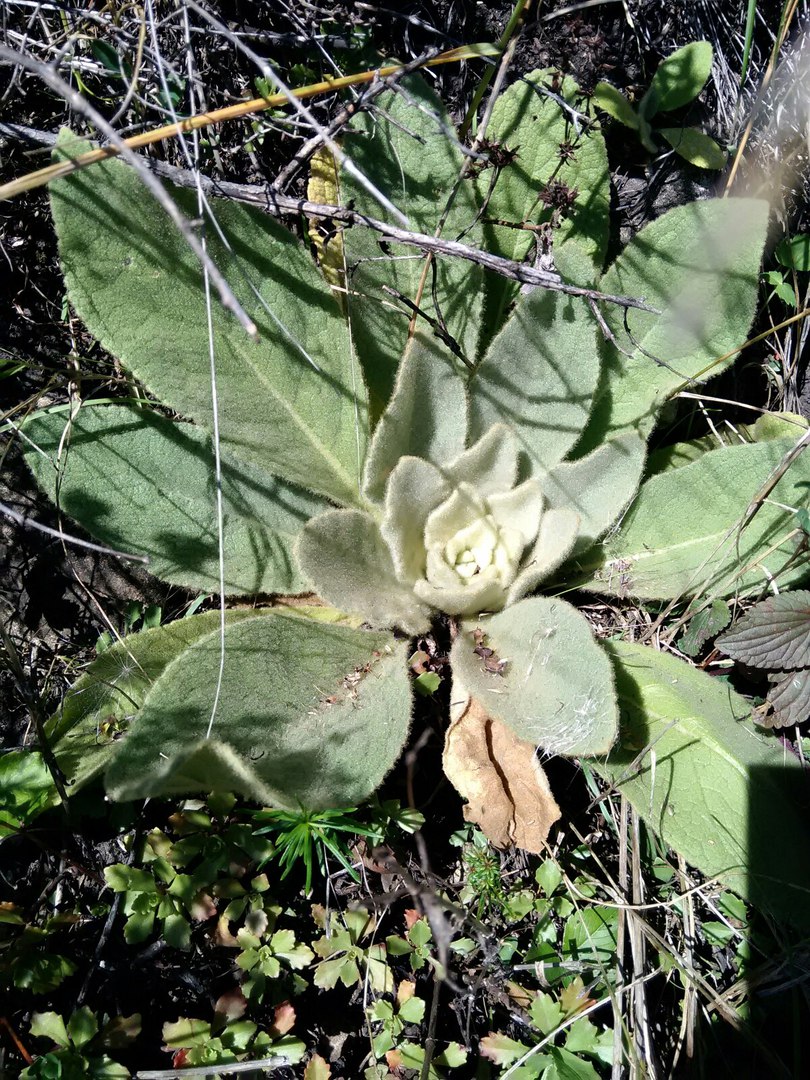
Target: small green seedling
[[81, 1045], [346, 955], [678, 80]]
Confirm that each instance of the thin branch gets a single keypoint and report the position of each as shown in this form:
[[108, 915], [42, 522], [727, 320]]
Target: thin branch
[[273, 202]]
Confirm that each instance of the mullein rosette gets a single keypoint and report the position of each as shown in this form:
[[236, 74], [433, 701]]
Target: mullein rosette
[[470, 531]]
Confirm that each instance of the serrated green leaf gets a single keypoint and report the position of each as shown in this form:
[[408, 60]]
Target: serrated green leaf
[[344, 555], [185, 1032], [529, 119], [789, 698], [310, 714], [699, 265], [725, 797], [425, 418], [556, 689], [99, 707], [122, 878], [408, 148], [693, 146], [167, 472], [538, 377], [567, 1066], [772, 634], [292, 403], [82, 1027], [704, 625], [681, 77], [612, 101], [50, 1025], [546, 1013], [681, 534]]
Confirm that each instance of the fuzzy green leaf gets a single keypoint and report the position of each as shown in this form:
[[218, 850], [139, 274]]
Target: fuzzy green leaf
[[773, 634], [415, 489], [559, 529], [538, 377], [682, 534], [729, 800], [612, 101], [343, 554], [292, 403], [309, 715], [100, 706], [556, 688], [26, 789], [549, 151], [679, 79], [169, 514], [695, 147], [426, 416], [407, 146], [598, 487], [490, 465], [699, 265]]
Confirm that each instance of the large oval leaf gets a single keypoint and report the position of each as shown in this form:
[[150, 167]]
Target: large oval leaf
[[536, 667], [730, 800], [550, 156], [681, 534], [699, 265], [99, 708], [538, 377], [292, 403], [407, 146], [144, 484], [309, 715]]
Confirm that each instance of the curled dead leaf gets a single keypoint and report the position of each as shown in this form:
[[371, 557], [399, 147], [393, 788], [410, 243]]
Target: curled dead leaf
[[507, 793]]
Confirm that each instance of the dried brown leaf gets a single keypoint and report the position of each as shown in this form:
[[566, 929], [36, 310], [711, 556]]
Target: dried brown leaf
[[507, 792]]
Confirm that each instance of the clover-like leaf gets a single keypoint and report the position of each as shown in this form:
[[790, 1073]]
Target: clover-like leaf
[[536, 667], [773, 634]]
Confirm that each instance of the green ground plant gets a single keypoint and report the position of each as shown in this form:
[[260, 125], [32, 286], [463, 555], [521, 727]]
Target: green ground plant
[[677, 82], [413, 479]]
